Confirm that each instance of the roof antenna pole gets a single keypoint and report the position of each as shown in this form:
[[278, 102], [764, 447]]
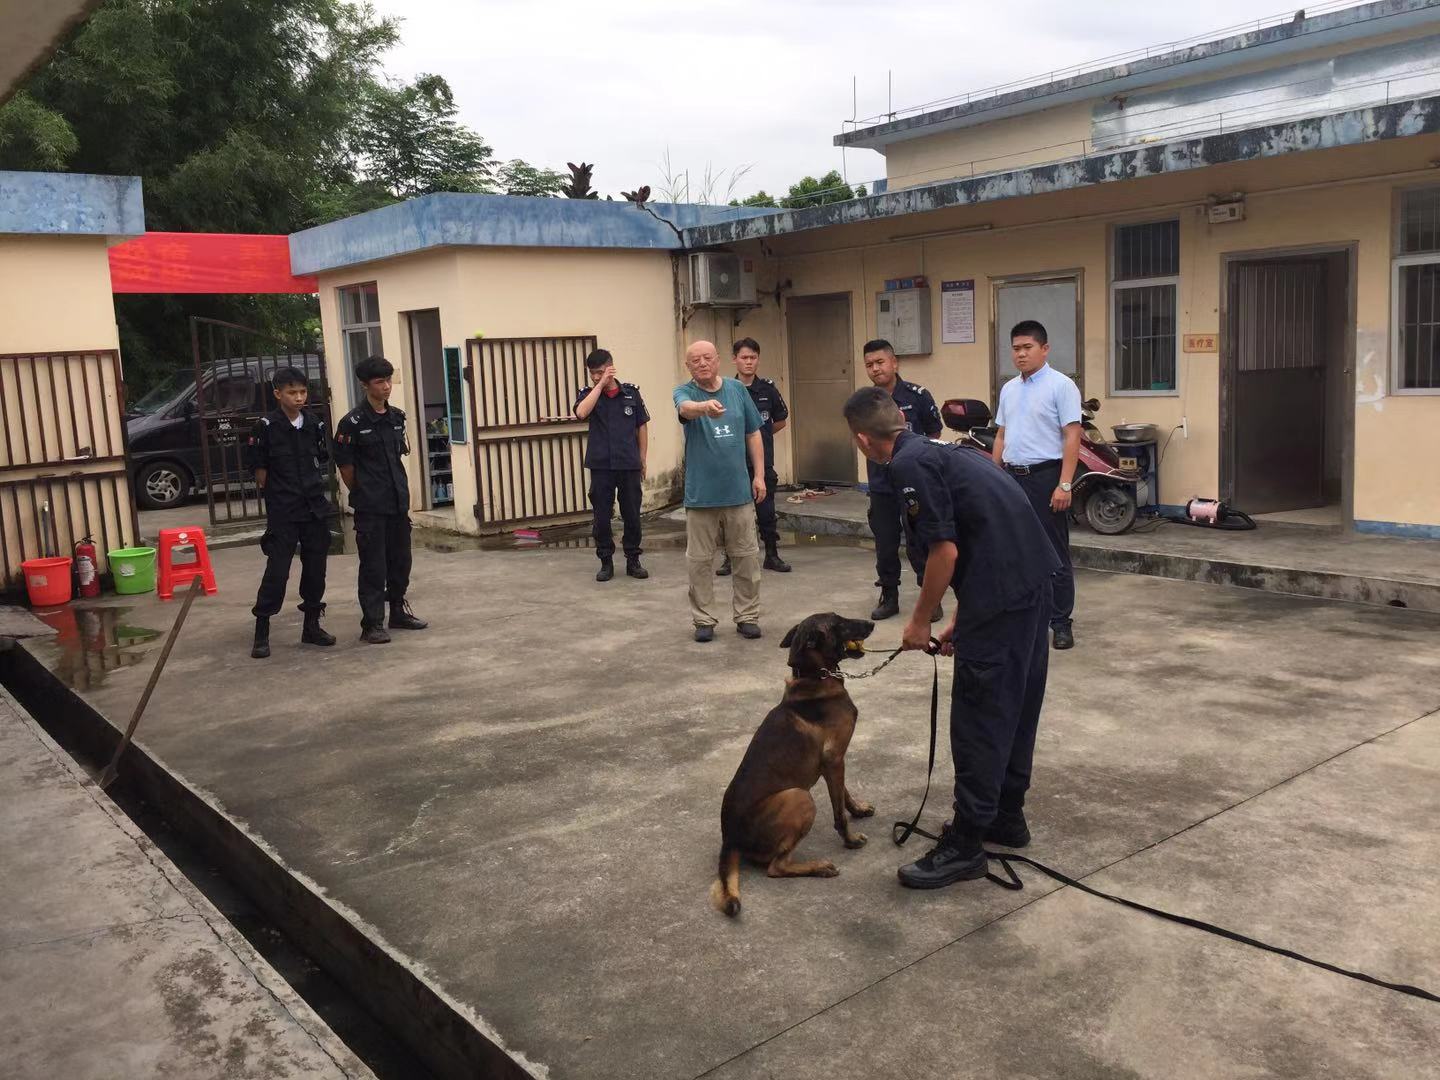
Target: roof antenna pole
[[890, 92]]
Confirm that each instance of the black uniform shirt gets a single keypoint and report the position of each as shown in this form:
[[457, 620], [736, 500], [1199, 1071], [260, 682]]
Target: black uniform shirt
[[923, 416], [771, 407], [374, 442], [614, 424], [952, 493], [294, 463]]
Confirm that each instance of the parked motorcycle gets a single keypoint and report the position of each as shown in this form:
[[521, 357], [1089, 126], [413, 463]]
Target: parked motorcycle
[[1102, 493]]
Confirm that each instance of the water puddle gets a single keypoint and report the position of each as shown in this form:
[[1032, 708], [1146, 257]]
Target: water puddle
[[94, 641]]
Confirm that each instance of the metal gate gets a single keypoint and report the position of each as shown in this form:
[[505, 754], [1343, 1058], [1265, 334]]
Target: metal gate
[[529, 448], [63, 469], [233, 368]]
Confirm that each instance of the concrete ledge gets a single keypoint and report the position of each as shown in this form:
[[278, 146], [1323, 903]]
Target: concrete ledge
[[439, 1031], [71, 204]]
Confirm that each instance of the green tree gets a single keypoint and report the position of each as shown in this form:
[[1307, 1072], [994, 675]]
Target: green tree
[[409, 143], [760, 198], [812, 192], [520, 178]]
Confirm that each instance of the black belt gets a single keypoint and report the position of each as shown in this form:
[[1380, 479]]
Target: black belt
[[1039, 466]]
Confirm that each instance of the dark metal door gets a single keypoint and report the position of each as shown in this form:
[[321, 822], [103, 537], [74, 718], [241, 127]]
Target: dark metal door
[[529, 448], [822, 376], [1277, 367], [234, 366]]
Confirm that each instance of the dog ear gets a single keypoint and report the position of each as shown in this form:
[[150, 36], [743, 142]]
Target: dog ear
[[789, 636]]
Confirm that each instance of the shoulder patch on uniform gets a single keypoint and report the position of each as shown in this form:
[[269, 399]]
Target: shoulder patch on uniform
[[265, 420], [911, 500]]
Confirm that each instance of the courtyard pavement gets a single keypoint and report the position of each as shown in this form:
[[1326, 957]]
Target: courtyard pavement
[[524, 801]]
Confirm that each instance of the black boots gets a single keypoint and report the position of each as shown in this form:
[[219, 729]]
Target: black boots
[[261, 648], [374, 635], [957, 857], [1008, 830], [725, 568], [314, 633], [773, 560], [1064, 637], [889, 605], [606, 571], [634, 569], [402, 618]]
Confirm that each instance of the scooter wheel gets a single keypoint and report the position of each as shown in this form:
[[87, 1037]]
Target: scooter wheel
[[1110, 510]]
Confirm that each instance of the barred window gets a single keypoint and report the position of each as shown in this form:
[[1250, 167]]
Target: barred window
[[1144, 286], [1416, 292], [360, 327]]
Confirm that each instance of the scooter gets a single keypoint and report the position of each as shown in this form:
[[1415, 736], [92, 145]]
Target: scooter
[[1102, 493]]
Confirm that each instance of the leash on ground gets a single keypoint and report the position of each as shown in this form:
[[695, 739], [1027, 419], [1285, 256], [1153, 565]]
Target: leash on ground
[[108, 776], [901, 831]]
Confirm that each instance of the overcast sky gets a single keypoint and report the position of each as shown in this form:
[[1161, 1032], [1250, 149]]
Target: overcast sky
[[746, 82]]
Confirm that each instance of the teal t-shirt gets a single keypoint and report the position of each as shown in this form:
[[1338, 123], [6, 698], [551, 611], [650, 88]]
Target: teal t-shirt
[[715, 454]]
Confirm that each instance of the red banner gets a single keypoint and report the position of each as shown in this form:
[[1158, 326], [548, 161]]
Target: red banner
[[205, 263]]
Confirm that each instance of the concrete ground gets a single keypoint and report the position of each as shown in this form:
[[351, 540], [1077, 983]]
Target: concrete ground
[[524, 801], [111, 964]]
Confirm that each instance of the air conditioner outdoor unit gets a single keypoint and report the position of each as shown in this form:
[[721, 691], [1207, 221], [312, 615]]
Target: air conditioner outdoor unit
[[721, 279]]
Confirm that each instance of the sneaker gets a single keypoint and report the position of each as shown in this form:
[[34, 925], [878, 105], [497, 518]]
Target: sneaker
[[635, 570], [1064, 637], [606, 571], [1008, 830], [725, 569], [402, 618], [957, 856], [704, 633], [374, 635], [748, 630]]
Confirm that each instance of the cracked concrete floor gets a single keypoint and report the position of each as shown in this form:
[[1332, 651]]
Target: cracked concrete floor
[[524, 801]]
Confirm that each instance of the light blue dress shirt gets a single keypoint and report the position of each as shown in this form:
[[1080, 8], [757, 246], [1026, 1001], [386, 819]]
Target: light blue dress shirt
[[1034, 412]]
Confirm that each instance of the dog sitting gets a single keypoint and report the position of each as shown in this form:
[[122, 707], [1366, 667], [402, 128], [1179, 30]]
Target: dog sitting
[[768, 808]]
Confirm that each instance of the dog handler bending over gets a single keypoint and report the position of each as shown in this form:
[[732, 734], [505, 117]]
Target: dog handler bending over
[[982, 538]]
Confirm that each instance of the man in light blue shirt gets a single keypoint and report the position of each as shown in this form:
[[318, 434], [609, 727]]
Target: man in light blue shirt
[[1038, 443], [722, 431]]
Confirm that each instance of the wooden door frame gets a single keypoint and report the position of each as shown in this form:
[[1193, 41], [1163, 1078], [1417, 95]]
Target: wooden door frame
[[1229, 360], [418, 395], [849, 298], [1075, 274]]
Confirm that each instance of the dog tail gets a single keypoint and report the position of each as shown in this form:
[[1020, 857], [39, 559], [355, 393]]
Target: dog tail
[[725, 892]]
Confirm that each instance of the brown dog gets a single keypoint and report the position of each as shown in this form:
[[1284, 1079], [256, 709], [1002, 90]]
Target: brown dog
[[768, 809]]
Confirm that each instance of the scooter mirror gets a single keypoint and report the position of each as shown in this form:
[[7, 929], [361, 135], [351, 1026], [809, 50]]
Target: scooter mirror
[[1091, 404]]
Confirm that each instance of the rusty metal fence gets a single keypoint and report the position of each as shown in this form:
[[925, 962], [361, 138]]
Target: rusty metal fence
[[529, 448], [63, 473]]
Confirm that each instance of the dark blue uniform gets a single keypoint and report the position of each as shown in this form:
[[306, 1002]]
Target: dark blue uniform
[[771, 407], [1002, 587], [886, 521], [375, 443], [612, 454], [297, 507]]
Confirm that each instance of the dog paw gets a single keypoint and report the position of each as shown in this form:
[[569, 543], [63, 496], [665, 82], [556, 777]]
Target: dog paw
[[828, 869], [856, 840], [862, 809]]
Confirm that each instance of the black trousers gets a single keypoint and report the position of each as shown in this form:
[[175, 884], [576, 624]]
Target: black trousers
[[765, 522], [605, 484], [383, 541], [279, 543], [887, 525], [999, 688], [1038, 487]]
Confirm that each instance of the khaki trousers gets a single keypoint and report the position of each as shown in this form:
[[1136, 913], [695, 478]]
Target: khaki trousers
[[706, 529]]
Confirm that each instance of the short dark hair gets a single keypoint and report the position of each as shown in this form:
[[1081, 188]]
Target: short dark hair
[[878, 345], [374, 367], [872, 411], [288, 376], [1031, 329], [598, 359], [745, 343]]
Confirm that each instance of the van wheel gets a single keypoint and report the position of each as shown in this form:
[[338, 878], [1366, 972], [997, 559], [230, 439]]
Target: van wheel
[[161, 485], [1110, 510]]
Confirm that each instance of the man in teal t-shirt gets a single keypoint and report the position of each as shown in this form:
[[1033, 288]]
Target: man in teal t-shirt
[[722, 430]]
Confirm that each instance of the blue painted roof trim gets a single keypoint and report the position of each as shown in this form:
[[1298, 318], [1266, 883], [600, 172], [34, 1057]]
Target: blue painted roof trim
[[1351, 128], [71, 204], [458, 220]]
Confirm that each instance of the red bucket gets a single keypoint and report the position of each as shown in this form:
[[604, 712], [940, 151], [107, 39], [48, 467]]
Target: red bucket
[[47, 581]]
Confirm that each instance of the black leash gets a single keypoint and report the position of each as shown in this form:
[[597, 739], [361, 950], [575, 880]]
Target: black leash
[[901, 831]]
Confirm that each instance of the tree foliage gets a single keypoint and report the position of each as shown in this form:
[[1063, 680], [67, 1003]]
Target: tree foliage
[[521, 178], [808, 191]]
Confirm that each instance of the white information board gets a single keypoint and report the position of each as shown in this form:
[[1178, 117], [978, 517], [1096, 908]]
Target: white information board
[[957, 312]]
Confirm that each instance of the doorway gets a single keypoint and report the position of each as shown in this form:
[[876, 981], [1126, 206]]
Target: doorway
[[822, 377], [1285, 414], [427, 372], [1054, 301]]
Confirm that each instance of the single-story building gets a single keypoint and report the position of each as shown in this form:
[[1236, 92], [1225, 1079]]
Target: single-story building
[[1237, 240]]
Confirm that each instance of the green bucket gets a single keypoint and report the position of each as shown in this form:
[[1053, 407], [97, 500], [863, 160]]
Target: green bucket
[[133, 569]]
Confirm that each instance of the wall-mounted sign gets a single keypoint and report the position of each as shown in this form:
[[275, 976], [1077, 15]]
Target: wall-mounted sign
[[957, 312], [1202, 343]]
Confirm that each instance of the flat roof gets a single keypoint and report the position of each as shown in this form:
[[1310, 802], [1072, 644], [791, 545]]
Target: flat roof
[[1139, 69], [71, 204]]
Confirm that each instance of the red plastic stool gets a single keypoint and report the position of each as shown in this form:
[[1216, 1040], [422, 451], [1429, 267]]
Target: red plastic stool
[[171, 575]]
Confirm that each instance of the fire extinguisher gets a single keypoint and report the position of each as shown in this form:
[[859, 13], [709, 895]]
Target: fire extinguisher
[[87, 577]]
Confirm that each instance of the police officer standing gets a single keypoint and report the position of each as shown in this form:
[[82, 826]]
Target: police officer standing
[[287, 451], [886, 522], [980, 536], [369, 443], [615, 456], [773, 418]]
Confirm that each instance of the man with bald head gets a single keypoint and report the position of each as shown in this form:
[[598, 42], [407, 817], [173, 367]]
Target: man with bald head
[[722, 434]]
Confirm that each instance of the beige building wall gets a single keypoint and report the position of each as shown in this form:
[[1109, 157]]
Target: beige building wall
[[55, 294]]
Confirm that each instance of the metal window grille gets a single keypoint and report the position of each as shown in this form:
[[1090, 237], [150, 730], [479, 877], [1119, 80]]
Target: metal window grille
[[1420, 221], [1144, 288], [360, 326], [1416, 292]]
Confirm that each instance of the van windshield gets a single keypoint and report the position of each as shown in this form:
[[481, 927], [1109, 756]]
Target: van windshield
[[161, 395]]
